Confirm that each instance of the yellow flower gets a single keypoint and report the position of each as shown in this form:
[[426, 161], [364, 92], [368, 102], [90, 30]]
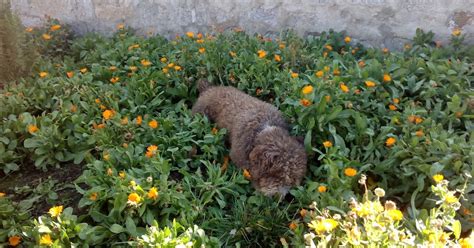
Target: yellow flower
[[369, 83], [261, 54], [153, 124], [232, 54], [139, 120], [450, 198], [419, 133], [124, 121], [329, 47], [112, 68], [107, 114], [134, 46], [281, 45], [390, 142], [93, 196], [163, 60], [322, 189], [46, 240], [14, 240], [396, 100], [350, 172], [347, 39], [55, 211], [145, 62], [202, 50], [294, 75], [456, 32], [395, 214], [392, 107], [293, 225], [114, 79], [151, 150], [55, 27], [133, 68], [134, 197], [153, 193], [307, 89], [46, 37], [418, 120], [319, 74], [327, 98], [327, 144], [190, 34], [438, 178], [247, 174], [106, 156], [277, 58], [324, 225], [32, 128], [122, 174], [305, 102], [387, 78], [326, 68], [200, 41], [385, 50], [466, 242], [165, 70], [336, 72], [43, 74], [2, 194], [344, 88], [177, 68], [120, 26]]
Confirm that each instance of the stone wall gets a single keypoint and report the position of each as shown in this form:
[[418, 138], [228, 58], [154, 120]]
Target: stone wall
[[387, 23]]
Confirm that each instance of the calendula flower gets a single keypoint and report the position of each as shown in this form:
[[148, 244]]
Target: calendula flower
[[2, 194], [122, 174], [456, 32], [70, 74], [392, 107], [303, 212], [214, 130], [83, 70], [55, 27], [232, 54], [277, 58], [134, 198], [327, 98], [190, 34], [32, 128], [385, 50], [46, 37], [419, 133], [247, 174], [361, 64], [93, 196], [395, 214], [202, 50], [29, 30], [109, 171], [153, 193], [323, 225], [328, 47], [55, 211], [177, 68], [407, 46], [369, 83], [165, 70], [124, 121], [46, 240], [307, 89], [418, 120], [125, 145], [387, 78], [350, 172], [344, 88], [281, 45], [43, 74], [134, 46], [139, 120], [14, 240], [319, 74], [200, 41], [151, 151], [293, 225], [322, 189], [145, 62], [133, 68], [153, 124], [106, 156], [438, 178], [261, 54], [327, 144], [97, 100], [466, 242], [305, 102], [347, 39], [336, 72], [390, 142], [120, 26], [396, 100], [163, 60], [112, 68], [294, 75], [114, 79], [108, 114]]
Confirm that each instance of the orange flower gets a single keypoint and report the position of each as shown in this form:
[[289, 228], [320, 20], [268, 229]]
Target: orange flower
[[456, 32], [325, 54], [369, 83], [419, 133], [46, 37], [43, 74], [151, 150], [327, 144], [319, 74], [396, 100], [199, 36], [344, 88], [327, 98], [190, 34], [170, 65], [214, 130], [307, 89], [125, 145], [392, 107], [163, 60], [350, 172], [247, 174], [347, 39], [134, 197], [277, 58], [97, 100], [153, 193], [153, 124], [303, 212], [329, 47], [165, 70], [93, 196], [305, 102], [112, 68], [32, 128], [55, 27], [361, 64], [103, 107], [232, 54], [385, 50], [29, 30], [293, 225], [281, 45], [145, 62], [202, 50], [2, 194], [200, 41], [322, 189], [134, 46], [133, 68], [114, 79], [336, 72], [261, 54], [412, 118], [177, 68], [70, 74], [390, 142], [418, 120], [124, 121], [387, 78], [139, 120], [120, 26], [14, 240], [107, 114], [83, 70], [73, 108], [327, 68], [294, 75]]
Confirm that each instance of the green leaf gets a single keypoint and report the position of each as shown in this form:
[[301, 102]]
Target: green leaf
[[116, 228], [131, 227]]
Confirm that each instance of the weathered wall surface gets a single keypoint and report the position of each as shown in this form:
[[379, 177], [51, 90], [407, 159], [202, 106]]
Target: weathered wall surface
[[387, 23]]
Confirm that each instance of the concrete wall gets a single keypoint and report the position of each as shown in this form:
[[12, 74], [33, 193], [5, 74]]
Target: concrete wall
[[387, 23]]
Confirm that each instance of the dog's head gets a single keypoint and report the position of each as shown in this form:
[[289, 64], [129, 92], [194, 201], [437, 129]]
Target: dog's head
[[278, 161]]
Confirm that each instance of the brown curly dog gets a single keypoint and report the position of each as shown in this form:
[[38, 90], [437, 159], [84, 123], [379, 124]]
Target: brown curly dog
[[259, 137]]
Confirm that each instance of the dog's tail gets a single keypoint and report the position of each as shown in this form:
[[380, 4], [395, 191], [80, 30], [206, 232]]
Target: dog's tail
[[203, 85]]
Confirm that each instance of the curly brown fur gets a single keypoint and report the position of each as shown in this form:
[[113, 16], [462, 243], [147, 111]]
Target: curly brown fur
[[258, 136]]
